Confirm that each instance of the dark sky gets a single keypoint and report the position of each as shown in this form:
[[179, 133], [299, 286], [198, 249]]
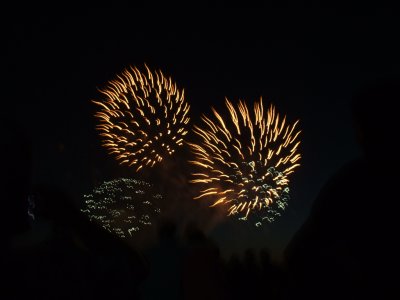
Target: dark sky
[[307, 60]]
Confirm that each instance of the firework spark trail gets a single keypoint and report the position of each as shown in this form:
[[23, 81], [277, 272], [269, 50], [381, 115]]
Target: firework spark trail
[[243, 162], [122, 206], [142, 118]]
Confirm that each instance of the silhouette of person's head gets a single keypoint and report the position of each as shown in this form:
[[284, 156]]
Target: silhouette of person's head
[[54, 204], [375, 115], [333, 251], [166, 229], [250, 257], [193, 233], [265, 256]]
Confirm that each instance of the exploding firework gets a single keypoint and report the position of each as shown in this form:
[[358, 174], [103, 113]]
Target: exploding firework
[[243, 162], [142, 118], [123, 206]]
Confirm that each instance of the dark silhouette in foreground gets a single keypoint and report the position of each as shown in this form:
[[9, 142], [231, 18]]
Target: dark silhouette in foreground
[[65, 256], [16, 156], [346, 246], [164, 262], [203, 273], [16, 161]]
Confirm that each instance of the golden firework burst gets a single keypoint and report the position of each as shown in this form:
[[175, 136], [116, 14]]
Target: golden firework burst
[[243, 161], [142, 117]]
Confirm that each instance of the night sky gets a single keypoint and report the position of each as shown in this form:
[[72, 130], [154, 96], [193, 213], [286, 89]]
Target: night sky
[[306, 60]]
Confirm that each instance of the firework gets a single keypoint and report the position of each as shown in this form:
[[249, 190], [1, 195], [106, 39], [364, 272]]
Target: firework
[[142, 117], [243, 161], [122, 206]]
